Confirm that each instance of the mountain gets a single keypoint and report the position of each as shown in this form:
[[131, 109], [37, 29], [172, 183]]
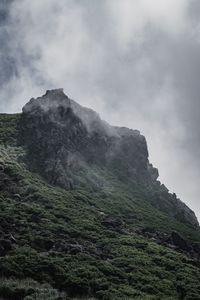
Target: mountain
[[83, 214], [63, 140]]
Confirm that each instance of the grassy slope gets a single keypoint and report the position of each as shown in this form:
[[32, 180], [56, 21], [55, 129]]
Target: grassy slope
[[59, 239]]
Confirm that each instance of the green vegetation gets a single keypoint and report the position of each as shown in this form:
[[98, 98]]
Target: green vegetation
[[57, 244], [27, 289], [8, 128]]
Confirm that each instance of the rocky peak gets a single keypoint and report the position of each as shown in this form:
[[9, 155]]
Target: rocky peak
[[55, 102], [72, 147], [51, 100], [66, 127]]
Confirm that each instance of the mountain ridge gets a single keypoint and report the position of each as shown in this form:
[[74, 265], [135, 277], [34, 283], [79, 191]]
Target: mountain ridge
[[88, 141], [77, 223]]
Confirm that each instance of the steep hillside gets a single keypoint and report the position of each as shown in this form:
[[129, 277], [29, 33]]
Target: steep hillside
[[71, 146], [83, 215]]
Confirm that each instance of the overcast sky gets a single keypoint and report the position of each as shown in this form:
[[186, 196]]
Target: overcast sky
[[136, 62]]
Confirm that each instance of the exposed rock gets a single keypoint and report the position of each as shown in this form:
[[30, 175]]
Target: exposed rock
[[178, 241], [67, 143], [69, 248], [196, 248], [168, 203], [73, 248], [5, 246], [64, 138], [104, 251], [173, 240], [155, 235], [42, 243], [7, 242], [113, 223]]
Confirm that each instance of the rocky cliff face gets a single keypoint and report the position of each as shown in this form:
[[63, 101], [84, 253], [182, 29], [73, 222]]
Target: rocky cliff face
[[66, 142], [63, 138]]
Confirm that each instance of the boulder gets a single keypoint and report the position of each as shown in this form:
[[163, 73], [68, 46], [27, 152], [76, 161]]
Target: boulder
[[113, 223], [5, 246], [178, 241]]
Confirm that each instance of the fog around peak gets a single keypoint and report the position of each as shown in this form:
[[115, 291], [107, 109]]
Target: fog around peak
[[134, 62]]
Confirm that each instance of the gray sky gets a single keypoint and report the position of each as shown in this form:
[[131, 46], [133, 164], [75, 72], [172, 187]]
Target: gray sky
[[136, 62]]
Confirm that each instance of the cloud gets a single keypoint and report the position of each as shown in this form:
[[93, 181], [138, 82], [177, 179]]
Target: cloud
[[130, 18], [136, 62]]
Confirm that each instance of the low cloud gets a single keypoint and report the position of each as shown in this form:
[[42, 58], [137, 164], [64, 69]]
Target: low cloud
[[135, 62]]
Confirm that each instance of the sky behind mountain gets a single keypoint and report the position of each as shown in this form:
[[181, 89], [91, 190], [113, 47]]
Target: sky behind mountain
[[136, 62]]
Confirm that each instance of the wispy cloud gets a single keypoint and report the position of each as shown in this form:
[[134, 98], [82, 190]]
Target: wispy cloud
[[135, 62]]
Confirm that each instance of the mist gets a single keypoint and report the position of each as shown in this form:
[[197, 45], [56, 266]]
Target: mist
[[137, 63]]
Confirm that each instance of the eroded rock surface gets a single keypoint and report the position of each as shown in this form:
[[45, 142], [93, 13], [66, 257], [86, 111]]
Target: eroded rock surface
[[71, 146]]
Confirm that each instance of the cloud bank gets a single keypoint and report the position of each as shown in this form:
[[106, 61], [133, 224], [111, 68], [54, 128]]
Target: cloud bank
[[135, 62]]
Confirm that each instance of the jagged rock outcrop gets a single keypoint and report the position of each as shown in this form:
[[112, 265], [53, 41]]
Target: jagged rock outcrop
[[172, 240], [64, 139], [70, 145]]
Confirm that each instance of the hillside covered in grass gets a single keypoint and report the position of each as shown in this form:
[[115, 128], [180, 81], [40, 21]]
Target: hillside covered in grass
[[82, 213]]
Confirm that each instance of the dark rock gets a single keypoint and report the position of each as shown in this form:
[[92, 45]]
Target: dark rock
[[42, 243], [69, 248], [5, 246], [74, 249], [174, 241], [35, 217], [150, 230], [104, 251], [172, 206], [155, 235], [113, 223], [67, 143], [6, 225], [69, 138], [196, 248], [178, 241]]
